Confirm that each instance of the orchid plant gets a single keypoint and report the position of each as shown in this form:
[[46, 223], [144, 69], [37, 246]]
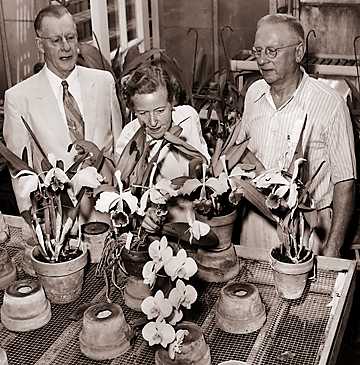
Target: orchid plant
[[164, 313], [284, 198], [219, 195], [54, 203]]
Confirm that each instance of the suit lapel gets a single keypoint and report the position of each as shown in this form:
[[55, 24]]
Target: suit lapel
[[89, 102]]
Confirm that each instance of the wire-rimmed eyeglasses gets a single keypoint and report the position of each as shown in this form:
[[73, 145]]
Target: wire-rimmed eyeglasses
[[270, 52], [59, 39]]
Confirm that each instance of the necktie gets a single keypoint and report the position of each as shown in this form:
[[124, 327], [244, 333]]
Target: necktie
[[73, 116]]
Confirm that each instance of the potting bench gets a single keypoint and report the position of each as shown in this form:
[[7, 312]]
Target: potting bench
[[301, 332]]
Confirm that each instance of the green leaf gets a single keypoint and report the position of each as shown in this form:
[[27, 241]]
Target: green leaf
[[15, 163]]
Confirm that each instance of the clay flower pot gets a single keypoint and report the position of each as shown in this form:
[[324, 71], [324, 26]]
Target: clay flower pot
[[105, 333], [62, 281], [3, 357], [290, 278], [218, 264], [25, 307], [7, 269], [194, 349], [239, 309], [94, 235]]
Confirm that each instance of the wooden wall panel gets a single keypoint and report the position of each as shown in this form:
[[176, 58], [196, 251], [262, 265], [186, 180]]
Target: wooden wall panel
[[335, 27]]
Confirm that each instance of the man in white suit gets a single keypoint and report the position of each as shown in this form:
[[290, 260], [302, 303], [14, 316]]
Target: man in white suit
[[39, 99]]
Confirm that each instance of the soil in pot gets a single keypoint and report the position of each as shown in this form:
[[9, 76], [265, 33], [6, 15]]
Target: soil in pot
[[289, 278]]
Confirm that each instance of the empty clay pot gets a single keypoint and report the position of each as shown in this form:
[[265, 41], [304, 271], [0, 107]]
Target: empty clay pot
[[7, 269], [239, 309], [94, 236], [194, 349], [25, 307], [105, 333]]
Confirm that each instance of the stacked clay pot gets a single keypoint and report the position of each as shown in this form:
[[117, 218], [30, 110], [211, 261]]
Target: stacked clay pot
[[7, 269], [194, 349], [105, 333], [239, 309], [218, 264], [25, 307]]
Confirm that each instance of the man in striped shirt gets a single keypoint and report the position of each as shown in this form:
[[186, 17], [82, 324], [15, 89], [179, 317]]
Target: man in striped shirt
[[276, 108]]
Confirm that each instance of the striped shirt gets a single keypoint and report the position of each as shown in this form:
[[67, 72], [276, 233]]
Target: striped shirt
[[328, 134]]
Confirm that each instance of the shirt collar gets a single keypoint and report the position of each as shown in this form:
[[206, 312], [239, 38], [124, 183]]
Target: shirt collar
[[56, 80], [264, 88]]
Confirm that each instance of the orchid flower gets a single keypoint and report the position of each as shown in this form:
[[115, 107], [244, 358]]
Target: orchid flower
[[149, 273], [160, 252], [156, 306], [175, 347], [182, 294], [56, 179], [180, 266], [108, 200], [157, 193], [158, 333], [270, 178], [197, 229]]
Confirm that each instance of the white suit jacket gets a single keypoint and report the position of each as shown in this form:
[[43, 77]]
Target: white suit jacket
[[34, 100]]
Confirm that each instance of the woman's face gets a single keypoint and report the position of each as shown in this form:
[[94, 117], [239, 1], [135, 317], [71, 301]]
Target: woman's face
[[154, 112]]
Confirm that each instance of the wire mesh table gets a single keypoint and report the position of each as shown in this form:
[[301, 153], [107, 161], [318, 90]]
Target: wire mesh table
[[300, 332]]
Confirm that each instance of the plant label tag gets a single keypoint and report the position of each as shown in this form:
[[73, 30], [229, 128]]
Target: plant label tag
[[128, 240]]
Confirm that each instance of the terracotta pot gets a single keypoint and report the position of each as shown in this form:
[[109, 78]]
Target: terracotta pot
[[222, 226], [194, 349], [105, 333], [26, 263], [25, 307], [133, 261], [239, 309], [94, 236], [135, 292], [7, 269], [62, 281], [216, 266], [290, 279]]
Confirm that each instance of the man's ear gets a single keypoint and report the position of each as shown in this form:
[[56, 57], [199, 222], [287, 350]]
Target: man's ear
[[40, 45], [299, 52]]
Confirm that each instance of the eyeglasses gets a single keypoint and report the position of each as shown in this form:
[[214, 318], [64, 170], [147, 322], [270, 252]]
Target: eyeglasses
[[59, 40], [270, 52], [157, 113]]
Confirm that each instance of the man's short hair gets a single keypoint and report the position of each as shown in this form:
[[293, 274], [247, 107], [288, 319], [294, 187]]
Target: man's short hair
[[292, 22], [56, 11], [147, 80]]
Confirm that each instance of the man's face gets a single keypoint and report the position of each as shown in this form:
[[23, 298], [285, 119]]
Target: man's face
[[281, 68], [58, 42], [154, 112]]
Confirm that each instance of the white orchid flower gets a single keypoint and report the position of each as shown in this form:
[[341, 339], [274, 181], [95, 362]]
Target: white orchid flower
[[88, 177], [197, 229], [28, 183], [160, 252], [157, 306], [269, 178], [180, 266], [182, 294], [56, 178], [158, 333], [149, 273], [175, 347], [176, 316], [109, 199]]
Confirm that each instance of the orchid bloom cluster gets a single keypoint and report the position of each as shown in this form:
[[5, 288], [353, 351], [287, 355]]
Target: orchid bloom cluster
[[162, 312], [45, 191], [218, 193], [292, 207]]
